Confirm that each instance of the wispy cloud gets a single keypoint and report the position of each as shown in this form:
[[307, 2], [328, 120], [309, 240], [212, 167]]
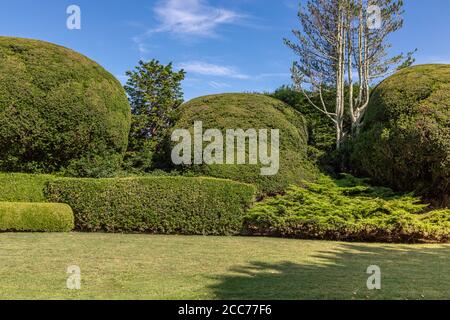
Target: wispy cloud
[[142, 48], [187, 19], [218, 84], [192, 17], [208, 69]]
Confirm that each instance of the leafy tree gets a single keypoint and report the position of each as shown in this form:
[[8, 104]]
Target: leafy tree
[[154, 92]]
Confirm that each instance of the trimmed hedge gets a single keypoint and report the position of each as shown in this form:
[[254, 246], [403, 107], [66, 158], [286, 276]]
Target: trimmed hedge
[[165, 205], [20, 187], [36, 217]]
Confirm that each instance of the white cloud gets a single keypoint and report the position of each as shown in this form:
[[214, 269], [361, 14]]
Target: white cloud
[[143, 48], [218, 84], [192, 17], [186, 19], [208, 69]]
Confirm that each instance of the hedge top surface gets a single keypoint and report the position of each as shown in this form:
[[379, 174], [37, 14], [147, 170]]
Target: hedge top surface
[[246, 111], [36, 217], [253, 111], [422, 89], [22, 187], [56, 106]]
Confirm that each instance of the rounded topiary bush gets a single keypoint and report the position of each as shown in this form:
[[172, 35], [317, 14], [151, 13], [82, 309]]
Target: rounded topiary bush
[[252, 111], [405, 140], [59, 111]]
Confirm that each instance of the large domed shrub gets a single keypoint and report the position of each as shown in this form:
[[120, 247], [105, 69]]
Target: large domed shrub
[[59, 111], [405, 141], [253, 111]]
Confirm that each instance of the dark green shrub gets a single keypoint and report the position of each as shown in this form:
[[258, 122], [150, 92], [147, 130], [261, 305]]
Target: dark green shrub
[[154, 91], [405, 140], [321, 131], [35, 217], [19, 187], [166, 205], [59, 110], [252, 111], [349, 210]]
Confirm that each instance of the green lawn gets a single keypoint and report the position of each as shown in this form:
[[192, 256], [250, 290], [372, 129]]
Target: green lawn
[[114, 266]]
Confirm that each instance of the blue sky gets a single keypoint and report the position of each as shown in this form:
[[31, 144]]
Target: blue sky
[[225, 45]]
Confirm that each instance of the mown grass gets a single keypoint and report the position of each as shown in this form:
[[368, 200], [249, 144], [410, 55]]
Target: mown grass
[[115, 266]]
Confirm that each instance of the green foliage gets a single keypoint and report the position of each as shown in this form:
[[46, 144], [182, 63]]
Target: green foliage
[[58, 109], [408, 61], [247, 111], [154, 92], [347, 209], [405, 142], [321, 132], [167, 205], [35, 217], [95, 166], [18, 187]]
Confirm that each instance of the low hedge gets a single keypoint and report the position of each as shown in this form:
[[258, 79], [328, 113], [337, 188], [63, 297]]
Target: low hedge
[[21, 187], [35, 217], [164, 205]]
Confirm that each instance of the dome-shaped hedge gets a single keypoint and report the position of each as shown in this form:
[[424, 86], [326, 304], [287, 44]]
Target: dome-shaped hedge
[[405, 141], [59, 111], [253, 111]]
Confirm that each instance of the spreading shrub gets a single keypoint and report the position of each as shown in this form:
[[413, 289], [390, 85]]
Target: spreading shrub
[[252, 111], [350, 210], [35, 217], [59, 111], [166, 205], [405, 140], [20, 187]]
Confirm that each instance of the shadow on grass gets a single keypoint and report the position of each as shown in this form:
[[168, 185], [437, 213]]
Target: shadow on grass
[[406, 273]]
